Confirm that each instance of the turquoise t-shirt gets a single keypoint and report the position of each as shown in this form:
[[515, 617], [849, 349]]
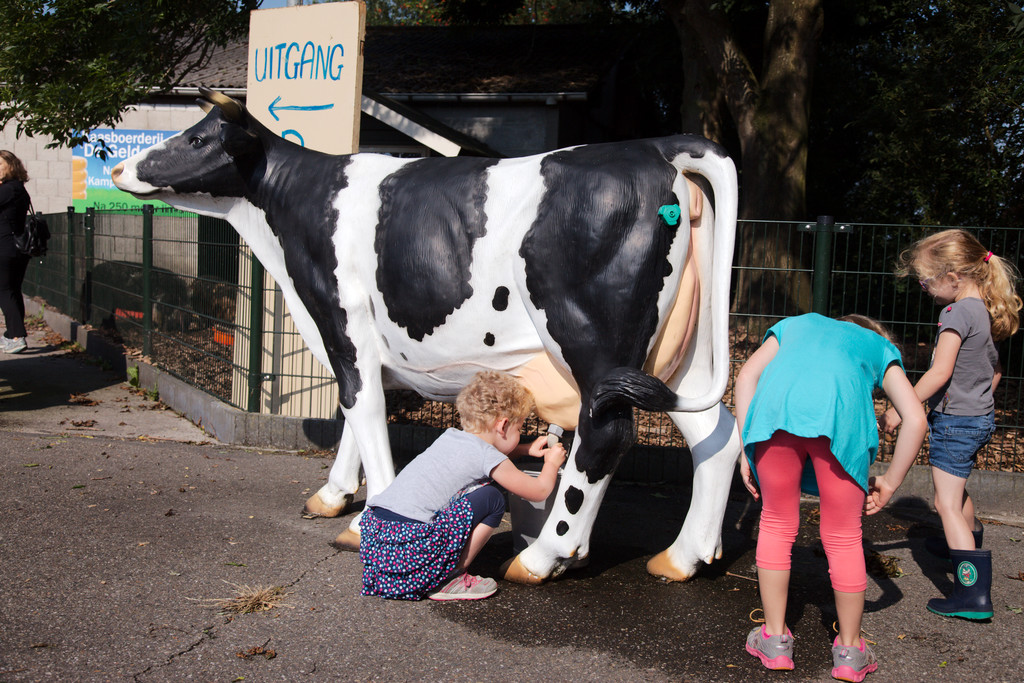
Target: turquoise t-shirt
[[820, 383]]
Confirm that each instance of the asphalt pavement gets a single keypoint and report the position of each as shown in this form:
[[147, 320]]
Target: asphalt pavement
[[122, 525]]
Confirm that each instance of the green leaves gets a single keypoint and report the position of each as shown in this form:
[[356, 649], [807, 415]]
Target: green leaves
[[67, 66], [918, 113]]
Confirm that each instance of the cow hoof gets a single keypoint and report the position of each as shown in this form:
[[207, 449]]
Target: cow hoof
[[514, 571], [347, 540], [661, 565], [316, 507]]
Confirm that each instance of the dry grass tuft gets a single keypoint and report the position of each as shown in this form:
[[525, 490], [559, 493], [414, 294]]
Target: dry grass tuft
[[249, 599]]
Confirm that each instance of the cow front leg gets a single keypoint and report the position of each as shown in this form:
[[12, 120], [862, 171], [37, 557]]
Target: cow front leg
[[715, 445], [367, 420], [342, 482]]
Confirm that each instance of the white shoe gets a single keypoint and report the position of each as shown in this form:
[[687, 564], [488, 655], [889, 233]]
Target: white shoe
[[15, 345]]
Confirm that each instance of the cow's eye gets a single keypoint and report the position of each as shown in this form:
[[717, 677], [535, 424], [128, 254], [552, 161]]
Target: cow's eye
[[196, 141]]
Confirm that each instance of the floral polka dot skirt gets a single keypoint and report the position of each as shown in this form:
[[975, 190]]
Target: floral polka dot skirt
[[404, 561]]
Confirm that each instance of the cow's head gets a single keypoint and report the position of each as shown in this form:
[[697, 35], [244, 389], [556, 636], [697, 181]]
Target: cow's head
[[217, 157]]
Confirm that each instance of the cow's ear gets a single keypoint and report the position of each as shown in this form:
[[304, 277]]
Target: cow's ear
[[238, 142]]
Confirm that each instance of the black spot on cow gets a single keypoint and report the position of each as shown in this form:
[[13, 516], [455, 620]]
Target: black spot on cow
[[387, 344], [306, 237], [500, 300], [562, 529], [404, 357], [489, 339], [431, 214], [599, 287], [573, 500]]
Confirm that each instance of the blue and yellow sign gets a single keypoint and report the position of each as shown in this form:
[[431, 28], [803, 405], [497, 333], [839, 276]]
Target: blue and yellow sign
[[91, 185]]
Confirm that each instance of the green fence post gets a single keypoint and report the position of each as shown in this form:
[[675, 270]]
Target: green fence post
[[90, 227], [69, 270], [822, 277], [255, 334], [822, 263], [147, 279]]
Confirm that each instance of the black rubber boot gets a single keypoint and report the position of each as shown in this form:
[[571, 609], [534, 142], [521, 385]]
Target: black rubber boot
[[936, 545], [972, 583]]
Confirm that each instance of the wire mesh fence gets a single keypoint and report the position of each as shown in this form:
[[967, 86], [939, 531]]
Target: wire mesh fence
[[176, 288]]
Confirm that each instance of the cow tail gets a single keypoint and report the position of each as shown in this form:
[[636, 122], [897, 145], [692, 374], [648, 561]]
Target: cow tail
[[630, 386], [716, 166]]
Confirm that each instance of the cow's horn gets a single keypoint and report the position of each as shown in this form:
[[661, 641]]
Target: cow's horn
[[231, 108]]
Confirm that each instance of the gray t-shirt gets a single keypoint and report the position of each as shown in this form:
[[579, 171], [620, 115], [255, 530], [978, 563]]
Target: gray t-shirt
[[455, 462], [969, 391]]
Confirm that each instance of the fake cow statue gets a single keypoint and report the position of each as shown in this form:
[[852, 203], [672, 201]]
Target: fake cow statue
[[566, 269]]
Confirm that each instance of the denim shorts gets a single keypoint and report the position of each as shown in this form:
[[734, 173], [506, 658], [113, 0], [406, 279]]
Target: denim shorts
[[954, 440]]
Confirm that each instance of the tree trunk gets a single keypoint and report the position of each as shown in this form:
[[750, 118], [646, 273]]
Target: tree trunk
[[771, 116]]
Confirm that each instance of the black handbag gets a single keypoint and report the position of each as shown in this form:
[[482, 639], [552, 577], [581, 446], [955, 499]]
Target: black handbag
[[32, 241]]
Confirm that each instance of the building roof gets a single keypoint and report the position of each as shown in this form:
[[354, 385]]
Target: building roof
[[493, 60]]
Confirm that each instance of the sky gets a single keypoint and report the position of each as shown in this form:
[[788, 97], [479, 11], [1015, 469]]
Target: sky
[[271, 4]]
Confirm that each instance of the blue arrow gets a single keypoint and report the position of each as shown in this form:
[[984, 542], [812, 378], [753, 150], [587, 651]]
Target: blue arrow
[[311, 107]]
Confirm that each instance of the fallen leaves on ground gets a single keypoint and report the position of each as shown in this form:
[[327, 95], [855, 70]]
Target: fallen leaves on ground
[[883, 565], [256, 651]]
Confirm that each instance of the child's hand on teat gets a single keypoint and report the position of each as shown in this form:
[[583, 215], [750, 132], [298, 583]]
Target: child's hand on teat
[[555, 454], [539, 449]]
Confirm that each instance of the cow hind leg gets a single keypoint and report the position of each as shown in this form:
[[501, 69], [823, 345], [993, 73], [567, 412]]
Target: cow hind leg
[[342, 482], [715, 445], [564, 540]]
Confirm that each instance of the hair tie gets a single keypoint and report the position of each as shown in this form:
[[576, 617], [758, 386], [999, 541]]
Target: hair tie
[[988, 257]]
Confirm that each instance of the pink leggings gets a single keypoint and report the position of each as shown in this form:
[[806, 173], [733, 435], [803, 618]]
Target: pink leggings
[[780, 462]]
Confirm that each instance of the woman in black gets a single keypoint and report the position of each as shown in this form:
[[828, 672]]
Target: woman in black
[[13, 209]]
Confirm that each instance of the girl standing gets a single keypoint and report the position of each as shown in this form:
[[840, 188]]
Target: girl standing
[[980, 306], [805, 398]]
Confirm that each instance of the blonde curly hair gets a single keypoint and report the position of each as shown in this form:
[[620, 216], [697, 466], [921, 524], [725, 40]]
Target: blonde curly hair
[[490, 396]]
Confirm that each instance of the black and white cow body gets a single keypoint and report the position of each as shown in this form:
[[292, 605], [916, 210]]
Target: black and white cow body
[[417, 273]]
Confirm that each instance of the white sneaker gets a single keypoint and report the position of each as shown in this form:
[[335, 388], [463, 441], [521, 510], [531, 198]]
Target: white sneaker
[[465, 587], [15, 345]]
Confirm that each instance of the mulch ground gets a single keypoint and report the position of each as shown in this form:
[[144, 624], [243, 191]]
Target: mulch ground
[[200, 357]]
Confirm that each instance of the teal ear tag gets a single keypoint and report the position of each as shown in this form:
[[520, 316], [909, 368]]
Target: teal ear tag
[[670, 214]]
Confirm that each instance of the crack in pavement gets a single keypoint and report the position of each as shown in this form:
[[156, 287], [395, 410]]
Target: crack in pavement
[[210, 632]]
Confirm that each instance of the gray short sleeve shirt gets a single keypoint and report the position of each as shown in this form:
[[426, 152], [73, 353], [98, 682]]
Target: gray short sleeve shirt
[[455, 462], [969, 391]]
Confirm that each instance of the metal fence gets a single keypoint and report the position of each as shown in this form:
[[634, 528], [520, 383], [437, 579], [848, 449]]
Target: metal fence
[[169, 285]]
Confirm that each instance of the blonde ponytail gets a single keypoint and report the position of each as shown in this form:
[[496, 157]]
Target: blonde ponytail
[[999, 291]]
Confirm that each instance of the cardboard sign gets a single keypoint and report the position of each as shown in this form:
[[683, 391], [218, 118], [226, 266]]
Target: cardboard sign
[[305, 73]]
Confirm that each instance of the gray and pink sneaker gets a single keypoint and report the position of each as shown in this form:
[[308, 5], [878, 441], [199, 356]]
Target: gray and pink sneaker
[[465, 586], [775, 652], [852, 663]]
